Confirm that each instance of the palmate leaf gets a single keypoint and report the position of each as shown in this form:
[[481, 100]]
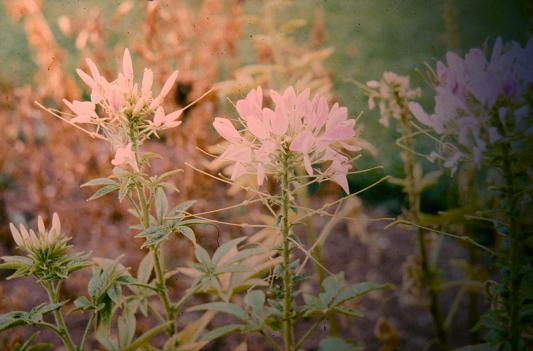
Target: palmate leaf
[[334, 295], [154, 235], [105, 289]]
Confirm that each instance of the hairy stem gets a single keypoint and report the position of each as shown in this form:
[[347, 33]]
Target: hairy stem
[[515, 251], [287, 276], [162, 290], [428, 275], [86, 332], [62, 331]]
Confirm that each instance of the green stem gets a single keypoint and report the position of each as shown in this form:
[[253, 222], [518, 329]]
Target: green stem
[[269, 338], [86, 332], [287, 276], [162, 290], [62, 331], [144, 338], [160, 276], [413, 195], [307, 334], [515, 251]]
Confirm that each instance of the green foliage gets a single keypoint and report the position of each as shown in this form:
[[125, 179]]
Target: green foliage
[[28, 345], [336, 344], [105, 289], [33, 317], [334, 295]]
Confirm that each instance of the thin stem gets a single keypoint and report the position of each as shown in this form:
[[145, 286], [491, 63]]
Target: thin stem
[[287, 276], [428, 275], [144, 338], [160, 276], [515, 250], [162, 291], [86, 332], [308, 333], [62, 331], [272, 342], [450, 235], [178, 305]]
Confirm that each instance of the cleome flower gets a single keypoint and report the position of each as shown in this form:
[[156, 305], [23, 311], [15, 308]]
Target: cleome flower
[[391, 91], [121, 111], [304, 130], [47, 258], [479, 100], [30, 241]]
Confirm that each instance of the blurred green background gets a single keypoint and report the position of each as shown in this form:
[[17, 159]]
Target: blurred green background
[[369, 37]]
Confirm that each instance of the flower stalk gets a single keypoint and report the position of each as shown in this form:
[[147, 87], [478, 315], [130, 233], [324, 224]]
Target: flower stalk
[[515, 250], [159, 273], [287, 274], [428, 275], [61, 327]]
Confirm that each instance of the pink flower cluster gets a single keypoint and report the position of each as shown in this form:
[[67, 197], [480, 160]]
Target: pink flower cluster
[[302, 129], [391, 92], [478, 96], [115, 105]]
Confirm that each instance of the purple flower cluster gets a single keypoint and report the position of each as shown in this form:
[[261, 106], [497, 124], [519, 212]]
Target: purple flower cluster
[[480, 101]]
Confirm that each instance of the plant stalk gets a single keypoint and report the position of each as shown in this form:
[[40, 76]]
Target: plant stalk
[[414, 208], [287, 276], [62, 331], [515, 251], [160, 276]]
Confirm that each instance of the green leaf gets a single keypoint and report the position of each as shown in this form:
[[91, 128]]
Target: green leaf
[[99, 182], [255, 299], [22, 266], [154, 235], [103, 191], [17, 318], [187, 232], [202, 256], [161, 204], [224, 307], [336, 344], [331, 286], [358, 290], [224, 249], [168, 174], [184, 206], [194, 221], [222, 331], [105, 339], [350, 312], [145, 268], [13, 319], [83, 303], [47, 308], [126, 326]]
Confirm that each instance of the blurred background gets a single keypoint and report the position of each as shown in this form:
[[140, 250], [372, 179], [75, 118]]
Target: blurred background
[[234, 46]]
